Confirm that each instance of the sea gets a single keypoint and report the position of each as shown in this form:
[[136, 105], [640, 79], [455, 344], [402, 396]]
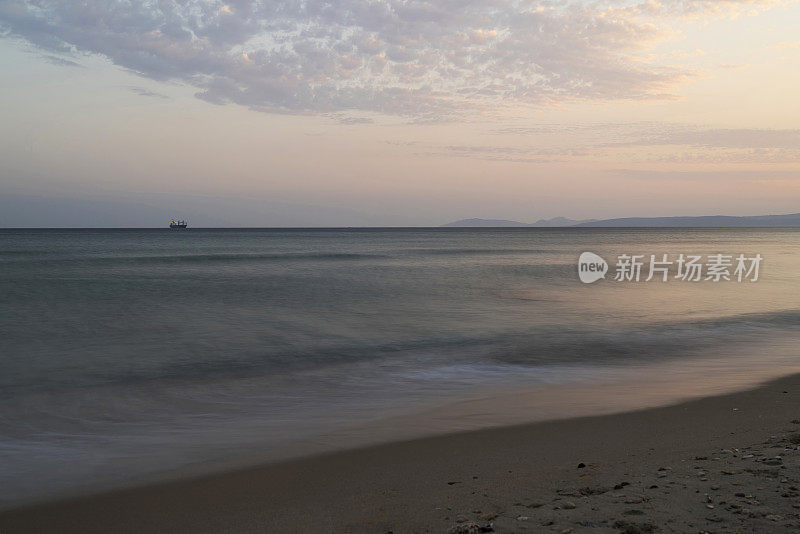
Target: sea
[[130, 356]]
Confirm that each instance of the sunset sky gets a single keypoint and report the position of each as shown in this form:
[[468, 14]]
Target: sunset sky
[[389, 112]]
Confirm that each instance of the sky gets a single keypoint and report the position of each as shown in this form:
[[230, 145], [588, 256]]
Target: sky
[[395, 112]]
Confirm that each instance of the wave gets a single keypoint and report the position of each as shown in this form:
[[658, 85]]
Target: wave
[[51, 258], [540, 346], [565, 344], [196, 258], [477, 251]]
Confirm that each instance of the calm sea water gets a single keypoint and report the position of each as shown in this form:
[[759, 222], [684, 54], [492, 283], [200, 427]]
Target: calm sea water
[[131, 353]]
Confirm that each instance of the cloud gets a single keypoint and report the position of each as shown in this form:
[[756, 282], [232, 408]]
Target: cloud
[[351, 120], [784, 45], [419, 58], [708, 176], [734, 66], [61, 62], [701, 137], [670, 143], [727, 157], [644, 134], [141, 91], [516, 154], [706, 8]]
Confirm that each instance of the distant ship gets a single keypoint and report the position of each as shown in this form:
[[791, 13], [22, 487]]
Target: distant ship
[[177, 224]]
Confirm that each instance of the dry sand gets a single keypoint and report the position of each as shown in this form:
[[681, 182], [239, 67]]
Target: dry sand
[[720, 464]]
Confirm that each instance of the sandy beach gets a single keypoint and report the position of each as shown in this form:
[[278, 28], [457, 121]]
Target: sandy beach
[[721, 464]]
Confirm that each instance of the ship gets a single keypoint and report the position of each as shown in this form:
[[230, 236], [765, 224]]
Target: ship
[[178, 225]]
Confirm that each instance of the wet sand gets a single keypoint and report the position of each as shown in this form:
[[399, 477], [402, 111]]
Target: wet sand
[[727, 463]]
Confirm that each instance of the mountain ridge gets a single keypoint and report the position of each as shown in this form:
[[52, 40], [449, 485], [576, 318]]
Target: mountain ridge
[[505, 223], [708, 221]]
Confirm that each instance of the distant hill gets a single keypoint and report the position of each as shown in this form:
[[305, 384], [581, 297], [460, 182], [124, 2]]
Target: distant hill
[[708, 221], [502, 223], [485, 223], [560, 221], [792, 219]]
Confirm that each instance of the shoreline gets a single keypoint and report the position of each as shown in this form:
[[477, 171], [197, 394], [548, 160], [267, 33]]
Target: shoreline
[[450, 481], [596, 391]]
